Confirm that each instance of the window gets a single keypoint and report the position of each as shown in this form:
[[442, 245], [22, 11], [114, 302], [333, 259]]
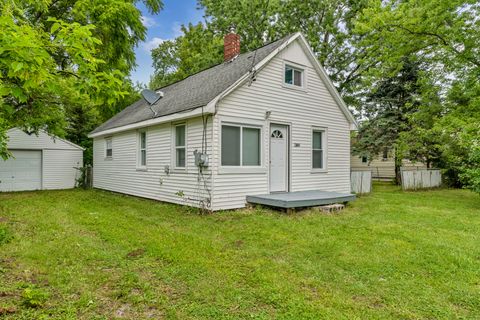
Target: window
[[108, 148], [180, 150], [317, 149], [385, 154], [240, 146], [277, 134], [293, 76], [142, 149], [364, 159]]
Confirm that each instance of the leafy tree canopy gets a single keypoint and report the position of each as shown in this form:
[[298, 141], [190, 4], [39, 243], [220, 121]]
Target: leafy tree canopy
[[55, 55], [326, 24], [197, 49]]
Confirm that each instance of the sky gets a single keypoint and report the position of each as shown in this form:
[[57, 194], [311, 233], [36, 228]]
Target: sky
[[163, 26]]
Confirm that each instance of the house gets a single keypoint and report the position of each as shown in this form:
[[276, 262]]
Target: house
[[39, 162], [383, 167], [262, 122]]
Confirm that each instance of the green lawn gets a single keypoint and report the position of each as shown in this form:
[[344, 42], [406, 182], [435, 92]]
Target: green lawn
[[99, 255]]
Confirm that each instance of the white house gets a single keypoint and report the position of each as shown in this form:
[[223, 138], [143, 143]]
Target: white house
[[383, 167], [261, 122], [39, 162]]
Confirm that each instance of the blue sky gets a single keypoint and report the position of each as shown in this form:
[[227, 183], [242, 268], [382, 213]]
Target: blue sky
[[164, 26]]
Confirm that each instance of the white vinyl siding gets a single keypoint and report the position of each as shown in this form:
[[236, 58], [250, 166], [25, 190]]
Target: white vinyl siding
[[302, 110], [159, 183], [380, 167], [240, 145], [60, 168]]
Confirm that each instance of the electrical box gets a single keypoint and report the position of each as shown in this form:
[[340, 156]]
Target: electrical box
[[201, 159]]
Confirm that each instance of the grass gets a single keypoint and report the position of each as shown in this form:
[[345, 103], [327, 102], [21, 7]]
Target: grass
[[98, 255]]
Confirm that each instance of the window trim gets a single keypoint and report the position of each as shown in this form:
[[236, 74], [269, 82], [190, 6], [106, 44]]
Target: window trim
[[242, 168], [324, 149], [174, 146], [297, 67], [140, 166], [107, 157]]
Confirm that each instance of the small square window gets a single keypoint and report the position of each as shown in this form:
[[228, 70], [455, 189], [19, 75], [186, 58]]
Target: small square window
[[293, 76], [364, 159]]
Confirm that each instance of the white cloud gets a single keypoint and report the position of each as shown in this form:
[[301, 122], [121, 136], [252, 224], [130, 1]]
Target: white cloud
[[148, 21], [152, 44], [177, 29]]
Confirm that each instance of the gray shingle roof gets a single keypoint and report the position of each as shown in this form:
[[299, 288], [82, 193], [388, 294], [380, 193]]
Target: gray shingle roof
[[192, 92]]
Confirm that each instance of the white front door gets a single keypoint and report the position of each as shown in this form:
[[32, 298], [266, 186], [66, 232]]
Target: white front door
[[23, 171], [278, 158]]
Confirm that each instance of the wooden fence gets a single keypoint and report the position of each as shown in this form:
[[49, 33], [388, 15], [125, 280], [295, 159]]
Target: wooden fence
[[421, 179], [361, 181]]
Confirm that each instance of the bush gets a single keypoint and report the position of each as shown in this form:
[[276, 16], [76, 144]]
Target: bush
[[470, 175], [34, 297]]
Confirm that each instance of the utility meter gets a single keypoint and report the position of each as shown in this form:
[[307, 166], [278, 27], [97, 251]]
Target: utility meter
[[201, 159]]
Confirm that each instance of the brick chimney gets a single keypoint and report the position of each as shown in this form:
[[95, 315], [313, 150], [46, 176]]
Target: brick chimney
[[231, 45]]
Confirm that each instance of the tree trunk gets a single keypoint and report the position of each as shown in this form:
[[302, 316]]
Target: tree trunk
[[398, 165]]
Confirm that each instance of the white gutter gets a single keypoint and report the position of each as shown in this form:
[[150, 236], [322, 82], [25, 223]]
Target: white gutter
[[146, 123]]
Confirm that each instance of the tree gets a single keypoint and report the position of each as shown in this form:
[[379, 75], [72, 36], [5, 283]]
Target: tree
[[197, 49], [56, 55], [444, 36], [387, 110], [327, 25], [82, 119]]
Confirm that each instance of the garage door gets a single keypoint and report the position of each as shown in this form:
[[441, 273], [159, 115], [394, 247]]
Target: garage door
[[23, 171]]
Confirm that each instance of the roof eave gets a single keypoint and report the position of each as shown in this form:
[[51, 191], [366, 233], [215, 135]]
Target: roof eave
[[182, 115], [329, 84]]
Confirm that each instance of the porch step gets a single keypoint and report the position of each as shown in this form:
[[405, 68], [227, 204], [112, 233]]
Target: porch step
[[331, 208], [301, 199]]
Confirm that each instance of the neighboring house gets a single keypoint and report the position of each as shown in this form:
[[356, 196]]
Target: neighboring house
[[39, 162], [264, 121], [383, 167]]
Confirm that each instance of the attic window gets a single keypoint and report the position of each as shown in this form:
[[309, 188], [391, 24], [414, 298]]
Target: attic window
[[293, 76]]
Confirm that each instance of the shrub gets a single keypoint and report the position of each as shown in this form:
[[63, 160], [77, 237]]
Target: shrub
[[34, 297]]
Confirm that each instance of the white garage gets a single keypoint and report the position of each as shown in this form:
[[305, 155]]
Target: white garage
[[39, 162]]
